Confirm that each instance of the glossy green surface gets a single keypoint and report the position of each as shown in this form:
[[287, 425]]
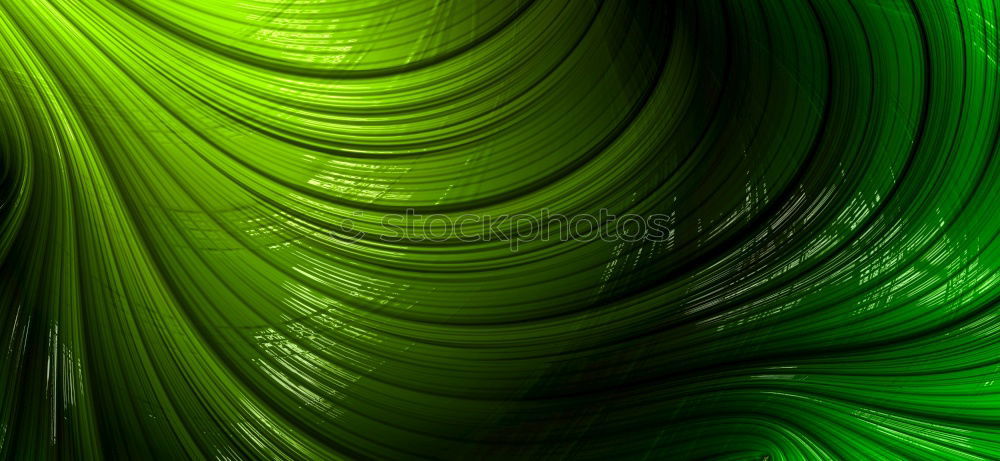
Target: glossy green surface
[[177, 280]]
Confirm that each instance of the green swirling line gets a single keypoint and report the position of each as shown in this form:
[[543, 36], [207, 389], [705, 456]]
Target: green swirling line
[[177, 279]]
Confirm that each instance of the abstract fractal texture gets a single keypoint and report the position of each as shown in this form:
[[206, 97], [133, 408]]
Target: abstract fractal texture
[[499, 229]]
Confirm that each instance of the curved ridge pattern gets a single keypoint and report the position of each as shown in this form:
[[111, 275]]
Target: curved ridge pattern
[[194, 261]]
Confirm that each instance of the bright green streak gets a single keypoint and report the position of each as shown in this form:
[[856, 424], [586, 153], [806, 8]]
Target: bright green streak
[[176, 282]]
